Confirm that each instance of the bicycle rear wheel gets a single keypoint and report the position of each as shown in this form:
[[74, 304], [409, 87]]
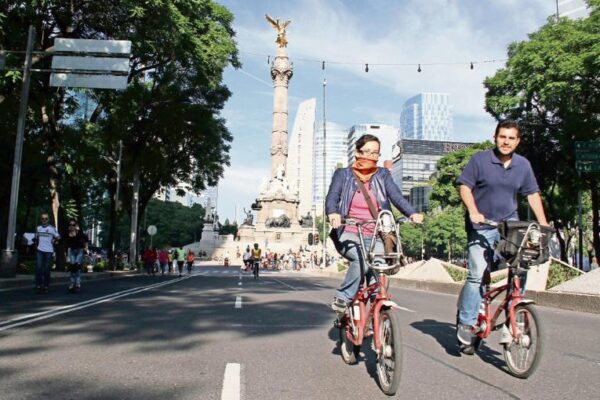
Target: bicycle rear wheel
[[522, 358], [389, 362]]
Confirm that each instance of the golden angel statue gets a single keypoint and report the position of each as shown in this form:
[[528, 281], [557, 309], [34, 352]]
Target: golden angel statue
[[279, 26]]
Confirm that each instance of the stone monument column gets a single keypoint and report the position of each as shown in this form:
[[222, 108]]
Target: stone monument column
[[281, 73]]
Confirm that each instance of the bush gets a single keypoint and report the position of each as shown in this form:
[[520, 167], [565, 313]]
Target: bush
[[100, 266], [457, 274], [559, 273]]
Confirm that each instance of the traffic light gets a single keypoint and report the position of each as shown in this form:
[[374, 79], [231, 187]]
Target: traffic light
[[310, 239], [316, 238]]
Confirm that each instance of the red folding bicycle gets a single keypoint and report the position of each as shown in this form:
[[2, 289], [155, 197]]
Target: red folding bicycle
[[523, 244], [371, 312]]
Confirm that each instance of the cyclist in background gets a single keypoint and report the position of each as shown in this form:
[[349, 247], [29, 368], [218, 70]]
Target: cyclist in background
[[488, 187], [190, 261], [256, 252], [180, 257]]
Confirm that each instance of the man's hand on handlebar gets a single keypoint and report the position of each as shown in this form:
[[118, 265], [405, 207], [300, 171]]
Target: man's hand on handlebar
[[416, 218], [477, 218], [335, 220]]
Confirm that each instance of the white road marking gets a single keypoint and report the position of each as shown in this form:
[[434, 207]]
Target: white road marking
[[238, 302], [239, 283], [30, 318], [231, 382]]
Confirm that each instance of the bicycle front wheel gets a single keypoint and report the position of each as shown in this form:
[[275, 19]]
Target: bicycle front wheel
[[389, 361], [522, 358], [349, 351]]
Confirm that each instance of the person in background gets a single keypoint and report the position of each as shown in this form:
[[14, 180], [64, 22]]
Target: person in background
[[190, 260], [247, 257], [163, 259], [77, 243], [180, 257], [149, 258], [45, 236], [594, 264]]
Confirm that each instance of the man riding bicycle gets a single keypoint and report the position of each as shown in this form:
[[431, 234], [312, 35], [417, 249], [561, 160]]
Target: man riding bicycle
[[255, 253], [488, 187]]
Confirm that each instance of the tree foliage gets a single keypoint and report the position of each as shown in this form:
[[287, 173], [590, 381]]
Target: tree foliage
[[168, 118], [551, 84]]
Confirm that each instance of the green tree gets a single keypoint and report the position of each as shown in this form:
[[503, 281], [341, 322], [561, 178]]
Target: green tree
[[168, 118], [551, 83]]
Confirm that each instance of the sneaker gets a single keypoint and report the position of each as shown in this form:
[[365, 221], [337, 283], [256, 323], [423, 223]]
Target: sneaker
[[339, 305], [71, 288], [464, 334], [506, 336], [77, 289]]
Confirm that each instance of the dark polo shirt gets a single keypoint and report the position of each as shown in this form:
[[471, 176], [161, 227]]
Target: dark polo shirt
[[495, 188]]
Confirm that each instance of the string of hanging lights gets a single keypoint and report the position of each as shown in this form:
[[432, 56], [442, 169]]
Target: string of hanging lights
[[419, 66]]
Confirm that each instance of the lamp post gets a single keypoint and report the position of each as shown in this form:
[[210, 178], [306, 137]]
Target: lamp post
[[324, 237]]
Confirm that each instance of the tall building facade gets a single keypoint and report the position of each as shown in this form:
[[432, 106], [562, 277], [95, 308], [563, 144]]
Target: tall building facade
[[336, 148], [427, 116], [300, 168], [415, 161], [388, 135]]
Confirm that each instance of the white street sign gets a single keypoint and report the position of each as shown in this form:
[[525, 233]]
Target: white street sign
[[98, 62], [152, 230]]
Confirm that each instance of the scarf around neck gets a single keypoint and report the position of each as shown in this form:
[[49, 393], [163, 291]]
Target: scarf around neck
[[364, 168]]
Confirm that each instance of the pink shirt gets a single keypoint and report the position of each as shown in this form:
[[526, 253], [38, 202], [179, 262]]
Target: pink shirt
[[359, 211]]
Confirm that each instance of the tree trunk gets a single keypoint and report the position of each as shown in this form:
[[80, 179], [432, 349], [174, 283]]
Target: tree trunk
[[133, 236], [595, 222], [112, 224]]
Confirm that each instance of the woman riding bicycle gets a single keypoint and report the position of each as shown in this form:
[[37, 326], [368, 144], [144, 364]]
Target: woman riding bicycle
[[346, 199]]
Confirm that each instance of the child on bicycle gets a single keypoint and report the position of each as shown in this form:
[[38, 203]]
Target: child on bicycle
[[359, 192]]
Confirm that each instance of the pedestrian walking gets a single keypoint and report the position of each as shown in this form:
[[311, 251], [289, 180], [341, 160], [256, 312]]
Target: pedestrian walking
[[180, 257], [163, 259], [190, 261], [45, 236], [149, 259], [171, 260], [77, 243]]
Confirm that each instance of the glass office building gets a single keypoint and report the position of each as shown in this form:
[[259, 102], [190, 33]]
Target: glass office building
[[387, 135], [427, 116], [415, 160]]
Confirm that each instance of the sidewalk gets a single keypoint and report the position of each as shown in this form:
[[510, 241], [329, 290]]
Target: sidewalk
[[573, 301], [59, 278]]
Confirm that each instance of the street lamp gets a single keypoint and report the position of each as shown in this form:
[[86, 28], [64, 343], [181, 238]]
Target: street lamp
[[324, 237]]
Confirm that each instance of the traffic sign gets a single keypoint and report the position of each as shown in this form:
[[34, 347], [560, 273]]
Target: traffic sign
[[100, 64], [587, 156], [152, 230]]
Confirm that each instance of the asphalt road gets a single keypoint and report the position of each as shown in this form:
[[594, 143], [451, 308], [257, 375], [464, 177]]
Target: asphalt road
[[219, 335]]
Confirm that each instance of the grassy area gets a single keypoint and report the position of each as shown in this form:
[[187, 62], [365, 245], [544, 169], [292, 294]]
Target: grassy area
[[456, 273], [560, 273]]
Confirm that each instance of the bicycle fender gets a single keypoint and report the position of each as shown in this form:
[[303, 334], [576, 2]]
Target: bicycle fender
[[390, 304], [525, 301]]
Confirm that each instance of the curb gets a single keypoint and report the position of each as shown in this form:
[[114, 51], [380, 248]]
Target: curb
[[23, 282], [562, 300]]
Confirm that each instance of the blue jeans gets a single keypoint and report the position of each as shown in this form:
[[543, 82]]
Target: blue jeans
[[349, 248], [42, 268], [481, 253], [76, 259]]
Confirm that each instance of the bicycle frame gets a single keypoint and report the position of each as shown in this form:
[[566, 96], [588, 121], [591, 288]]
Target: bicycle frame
[[356, 327], [512, 298]]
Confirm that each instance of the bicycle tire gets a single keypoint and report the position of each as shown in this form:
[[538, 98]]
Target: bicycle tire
[[255, 270], [523, 358], [389, 362], [349, 351]]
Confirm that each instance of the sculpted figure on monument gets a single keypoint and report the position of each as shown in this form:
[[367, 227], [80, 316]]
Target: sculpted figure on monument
[[280, 222], [249, 218], [279, 26], [306, 221]]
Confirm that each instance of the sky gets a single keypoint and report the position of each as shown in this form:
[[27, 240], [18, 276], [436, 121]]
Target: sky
[[347, 34]]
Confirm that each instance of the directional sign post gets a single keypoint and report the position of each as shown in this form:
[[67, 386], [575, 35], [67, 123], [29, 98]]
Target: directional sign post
[[98, 64], [587, 160], [587, 156]]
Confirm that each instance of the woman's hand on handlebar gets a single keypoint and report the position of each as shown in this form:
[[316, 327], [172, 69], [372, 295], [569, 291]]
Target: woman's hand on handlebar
[[416, 218], [335, 220]]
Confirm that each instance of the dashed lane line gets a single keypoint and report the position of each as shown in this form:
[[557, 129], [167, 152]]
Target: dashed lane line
[[231, 382], [238, 302]]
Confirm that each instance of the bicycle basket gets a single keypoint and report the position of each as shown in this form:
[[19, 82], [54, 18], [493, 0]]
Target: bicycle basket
[[532, 251]]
